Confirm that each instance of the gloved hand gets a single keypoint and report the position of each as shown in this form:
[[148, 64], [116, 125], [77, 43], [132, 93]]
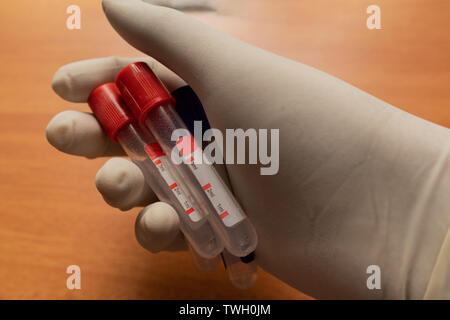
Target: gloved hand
[[360, 182]]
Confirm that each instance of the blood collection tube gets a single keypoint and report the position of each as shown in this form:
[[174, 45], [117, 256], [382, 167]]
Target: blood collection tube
[[152, 106], [113, 115], [242, 272]]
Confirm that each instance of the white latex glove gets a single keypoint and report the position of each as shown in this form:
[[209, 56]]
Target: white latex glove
[[187, 4], [360, 182]]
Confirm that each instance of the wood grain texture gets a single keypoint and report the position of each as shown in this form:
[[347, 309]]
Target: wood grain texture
[[51, 215]]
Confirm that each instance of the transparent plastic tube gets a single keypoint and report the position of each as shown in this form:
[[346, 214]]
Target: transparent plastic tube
[[148, 156], [242, 272], [202, 179], [118, 123], [201, 263]]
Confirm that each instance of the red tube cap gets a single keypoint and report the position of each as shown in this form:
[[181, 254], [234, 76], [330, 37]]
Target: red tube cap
[[109, 109], [141, 89]]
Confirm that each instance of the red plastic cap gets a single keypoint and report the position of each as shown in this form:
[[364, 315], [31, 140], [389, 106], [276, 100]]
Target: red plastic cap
[[109, 109], [141, 89]]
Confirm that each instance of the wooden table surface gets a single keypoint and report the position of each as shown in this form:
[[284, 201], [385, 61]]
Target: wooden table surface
[[51, 215]]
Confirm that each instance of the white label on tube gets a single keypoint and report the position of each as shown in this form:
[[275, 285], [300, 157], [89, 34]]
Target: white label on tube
[[160, 160], [225, 207]]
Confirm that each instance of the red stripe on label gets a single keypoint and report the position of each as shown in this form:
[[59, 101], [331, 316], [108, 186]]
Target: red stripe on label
[[158, 161], [223, 214], [154, 150], [190, 159], [186, 145], [189, 211], [173, 185], [206, 186]]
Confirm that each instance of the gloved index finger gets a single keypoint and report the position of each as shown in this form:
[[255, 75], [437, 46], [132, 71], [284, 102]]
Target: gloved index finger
[[75, 81], [80, 134]]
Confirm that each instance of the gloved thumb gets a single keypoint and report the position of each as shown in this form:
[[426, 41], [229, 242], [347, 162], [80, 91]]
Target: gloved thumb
[[196, 52]]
